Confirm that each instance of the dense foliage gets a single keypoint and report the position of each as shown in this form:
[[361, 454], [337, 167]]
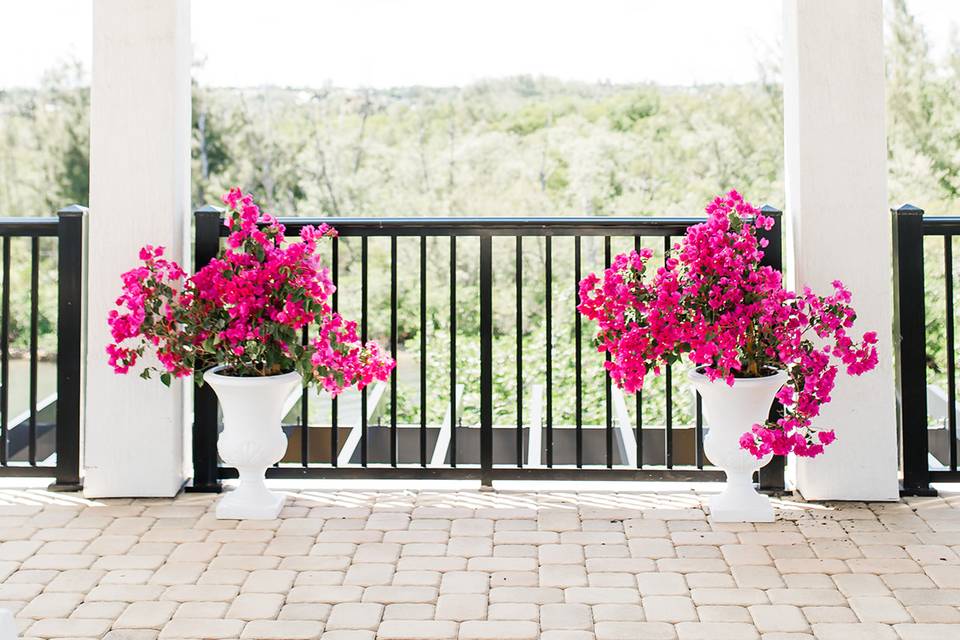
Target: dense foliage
[[245, 310], [713, 304]]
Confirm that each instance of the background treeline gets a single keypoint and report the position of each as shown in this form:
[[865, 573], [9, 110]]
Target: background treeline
[[516, 146]]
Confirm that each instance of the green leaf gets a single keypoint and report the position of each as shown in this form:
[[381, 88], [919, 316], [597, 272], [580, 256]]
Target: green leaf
[[165, 378]]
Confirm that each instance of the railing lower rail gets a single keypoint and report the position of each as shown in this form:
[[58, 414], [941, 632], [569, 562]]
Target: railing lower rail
[[385, 450]]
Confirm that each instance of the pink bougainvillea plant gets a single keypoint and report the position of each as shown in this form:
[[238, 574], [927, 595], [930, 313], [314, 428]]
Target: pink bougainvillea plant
[[714, 304], [245, 310]]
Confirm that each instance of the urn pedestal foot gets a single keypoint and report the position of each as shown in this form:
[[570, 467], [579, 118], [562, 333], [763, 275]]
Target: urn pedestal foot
[[251, 500], [740, 502]]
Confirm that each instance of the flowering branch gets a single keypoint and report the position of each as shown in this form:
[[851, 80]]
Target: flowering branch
[[713, 303], [245, 310]]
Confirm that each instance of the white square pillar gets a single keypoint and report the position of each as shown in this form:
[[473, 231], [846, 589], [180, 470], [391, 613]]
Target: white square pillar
[[836, 177], [139, 194]]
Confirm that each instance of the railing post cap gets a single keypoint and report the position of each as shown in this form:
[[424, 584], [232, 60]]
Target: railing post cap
[[909, 209], [209, 208], [770, 210], [72, 210]]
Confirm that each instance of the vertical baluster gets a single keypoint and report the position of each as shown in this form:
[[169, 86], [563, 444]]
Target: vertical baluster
[[548, 277], [668, 382], [699, 431], [606, 379], [486, 359], [423, 351], [951, 345], [335, 269], [305, 413], [5, 353], [393, 350], [453, 351], [639, 394], [34, 325], [639, 411], [364, 257], [578, 353], [519, 294]]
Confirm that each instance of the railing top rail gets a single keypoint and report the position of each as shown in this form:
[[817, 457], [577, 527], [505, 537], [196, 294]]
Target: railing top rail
[[941, 225], [28, 227], [496, 226]]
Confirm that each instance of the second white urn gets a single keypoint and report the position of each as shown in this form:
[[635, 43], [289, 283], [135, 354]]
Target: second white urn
[[730, 412]]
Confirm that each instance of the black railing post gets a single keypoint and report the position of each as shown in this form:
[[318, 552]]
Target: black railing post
[[205, 469], [909, 337], [486, 359], [771, 475], [71, 239]]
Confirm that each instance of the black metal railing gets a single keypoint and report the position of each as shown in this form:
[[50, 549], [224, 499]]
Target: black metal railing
[[44, 439], [928, 449], [485, 450]]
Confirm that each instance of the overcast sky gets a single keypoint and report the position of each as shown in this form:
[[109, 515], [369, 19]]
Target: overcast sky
[[383, 43]]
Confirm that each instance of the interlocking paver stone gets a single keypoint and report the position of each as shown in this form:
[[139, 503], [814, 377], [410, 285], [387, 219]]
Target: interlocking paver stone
[[66, 628], [406, 611], [634, 630], [201, 627], [499, 630], [879, 609], [662, 584], [716, 631], [566, 616], [355, 615], [417, 630], [513, 611], [460, 607], [778, 617], [255, 606], [465, 582], [927, 631], [854, 631], [618, 613], [282, 630], [563, 575], [145, 615], [305, 611], [669, 608], [536, 595]]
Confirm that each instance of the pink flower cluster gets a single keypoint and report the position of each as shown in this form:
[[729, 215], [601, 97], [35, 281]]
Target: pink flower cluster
[[247, 310], [713, 303]]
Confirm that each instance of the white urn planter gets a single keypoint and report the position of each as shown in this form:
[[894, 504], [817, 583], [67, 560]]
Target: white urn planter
[[730, 412], [252, 439]]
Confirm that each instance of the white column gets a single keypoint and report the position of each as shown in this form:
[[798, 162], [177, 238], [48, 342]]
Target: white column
[[139, 194], [836, 176]]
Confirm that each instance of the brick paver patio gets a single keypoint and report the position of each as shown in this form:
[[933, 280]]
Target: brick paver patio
[[392, 564]]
